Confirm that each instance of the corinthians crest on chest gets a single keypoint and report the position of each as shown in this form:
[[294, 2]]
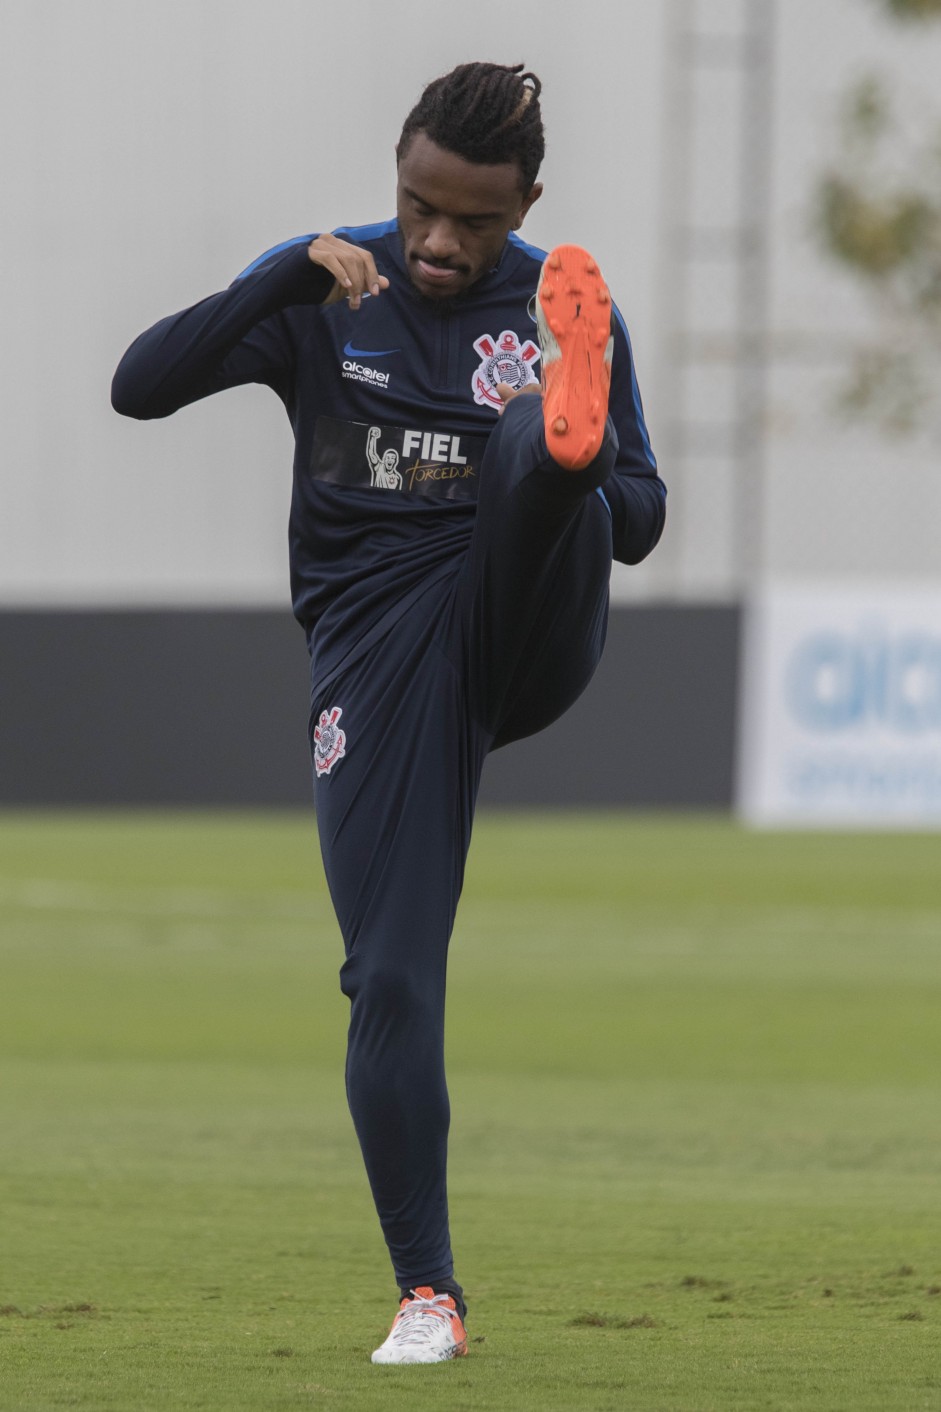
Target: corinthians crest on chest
[[503, 359]]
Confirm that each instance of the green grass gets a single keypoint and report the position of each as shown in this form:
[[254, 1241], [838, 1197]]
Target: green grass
[[696, 1144]]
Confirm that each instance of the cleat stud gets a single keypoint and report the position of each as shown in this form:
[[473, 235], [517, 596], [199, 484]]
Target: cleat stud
[[604, 297], [554, 262], [591, 268], [547, 293], [560, 426]]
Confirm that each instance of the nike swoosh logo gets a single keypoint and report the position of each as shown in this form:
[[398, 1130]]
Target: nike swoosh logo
[[352, 352]]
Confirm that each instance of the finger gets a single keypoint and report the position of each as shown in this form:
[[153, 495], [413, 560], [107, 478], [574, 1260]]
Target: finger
[[377, 285], [374, 281], [358, 267], [361, 270], [330, 263], [353, 267], [345, 262], [508, 393]]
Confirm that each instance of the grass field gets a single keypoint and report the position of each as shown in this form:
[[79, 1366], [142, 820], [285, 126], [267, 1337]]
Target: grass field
[[696, 1151]]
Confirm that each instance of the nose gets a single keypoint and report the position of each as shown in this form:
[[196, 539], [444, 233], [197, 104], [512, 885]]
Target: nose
[[441, 240]]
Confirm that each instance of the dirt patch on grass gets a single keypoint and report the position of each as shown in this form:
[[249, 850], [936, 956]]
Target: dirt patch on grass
[[47, 1311], [612, 1321]]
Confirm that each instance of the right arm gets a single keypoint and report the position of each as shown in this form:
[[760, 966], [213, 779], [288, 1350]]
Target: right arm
[[235, 337]]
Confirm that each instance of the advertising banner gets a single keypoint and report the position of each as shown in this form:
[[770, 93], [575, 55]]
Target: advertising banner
[[840, 705]]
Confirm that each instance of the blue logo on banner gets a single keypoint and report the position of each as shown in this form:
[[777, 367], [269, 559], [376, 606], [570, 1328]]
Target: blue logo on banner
[[838, 681]]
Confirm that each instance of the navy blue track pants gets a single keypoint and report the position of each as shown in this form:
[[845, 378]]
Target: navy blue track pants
[[509, 646]]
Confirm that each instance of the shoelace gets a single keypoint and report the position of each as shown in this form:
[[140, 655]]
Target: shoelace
[[420, 1320]]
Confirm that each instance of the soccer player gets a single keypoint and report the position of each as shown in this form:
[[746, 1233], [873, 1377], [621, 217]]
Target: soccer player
[[459, 492]]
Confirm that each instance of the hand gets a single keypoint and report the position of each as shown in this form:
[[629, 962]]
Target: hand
[[353, 269], [507, 393]]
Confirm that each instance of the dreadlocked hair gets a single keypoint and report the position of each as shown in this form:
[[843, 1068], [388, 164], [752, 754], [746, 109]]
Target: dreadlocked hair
[[485, 113]]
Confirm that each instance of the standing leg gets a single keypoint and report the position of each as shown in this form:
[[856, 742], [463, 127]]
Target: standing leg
[[394, 815]]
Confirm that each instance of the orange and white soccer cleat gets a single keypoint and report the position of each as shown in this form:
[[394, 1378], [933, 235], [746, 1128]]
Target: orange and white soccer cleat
[[573, 315], [427, 1329]]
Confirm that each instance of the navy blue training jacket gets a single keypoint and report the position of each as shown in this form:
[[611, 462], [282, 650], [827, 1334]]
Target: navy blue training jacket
[[398, 397]]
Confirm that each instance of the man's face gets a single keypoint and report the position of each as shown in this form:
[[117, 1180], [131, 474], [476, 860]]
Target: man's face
[[455, 216]]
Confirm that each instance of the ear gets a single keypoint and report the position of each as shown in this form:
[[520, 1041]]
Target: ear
[[530, 199]]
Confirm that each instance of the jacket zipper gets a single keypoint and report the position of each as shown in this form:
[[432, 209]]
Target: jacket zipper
[[447, 351]]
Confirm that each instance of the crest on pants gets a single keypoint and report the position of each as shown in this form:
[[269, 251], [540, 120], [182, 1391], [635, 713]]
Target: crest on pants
[[329, 741]]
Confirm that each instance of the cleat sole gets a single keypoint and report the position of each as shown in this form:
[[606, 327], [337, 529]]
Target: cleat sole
[[577, 375]]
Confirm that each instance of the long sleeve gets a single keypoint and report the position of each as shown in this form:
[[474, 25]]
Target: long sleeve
[[231, 338], [635, 493]]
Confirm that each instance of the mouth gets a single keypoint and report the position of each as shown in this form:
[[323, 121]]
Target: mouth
[[438, 276]]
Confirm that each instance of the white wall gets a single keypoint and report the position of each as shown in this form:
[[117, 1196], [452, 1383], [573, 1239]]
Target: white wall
[[842, 500], [151, 151], [825, 497]]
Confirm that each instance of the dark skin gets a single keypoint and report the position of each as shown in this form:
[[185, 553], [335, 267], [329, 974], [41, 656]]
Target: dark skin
[[454, 218]]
